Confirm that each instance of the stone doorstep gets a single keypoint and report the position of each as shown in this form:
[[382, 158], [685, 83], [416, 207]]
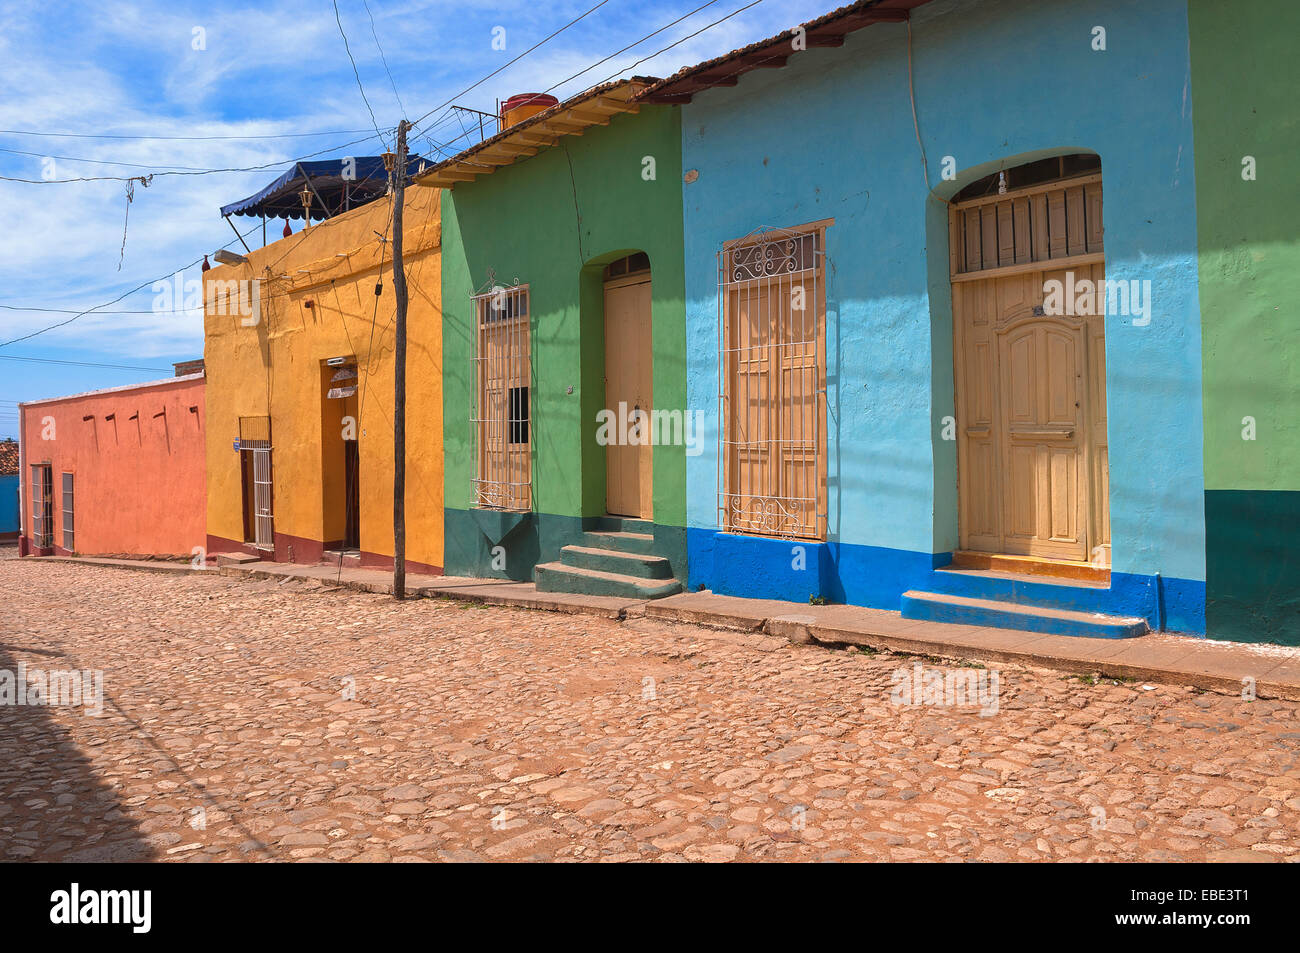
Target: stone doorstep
[[1159, 657]]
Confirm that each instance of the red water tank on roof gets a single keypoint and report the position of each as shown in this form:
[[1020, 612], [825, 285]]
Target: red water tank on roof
[[520, 107]]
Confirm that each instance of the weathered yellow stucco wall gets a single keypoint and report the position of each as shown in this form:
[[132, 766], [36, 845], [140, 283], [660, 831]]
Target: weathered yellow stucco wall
[[317, 301]]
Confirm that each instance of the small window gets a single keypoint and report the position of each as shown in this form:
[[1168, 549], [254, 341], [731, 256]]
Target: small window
[[68, 537], [631, 265], [503, 304], [519, 415]]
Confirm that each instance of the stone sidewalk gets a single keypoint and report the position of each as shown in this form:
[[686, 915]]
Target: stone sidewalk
[[1229, 667]]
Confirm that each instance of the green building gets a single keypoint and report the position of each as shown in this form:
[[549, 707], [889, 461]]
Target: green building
[[1244, 79], [565, 421]]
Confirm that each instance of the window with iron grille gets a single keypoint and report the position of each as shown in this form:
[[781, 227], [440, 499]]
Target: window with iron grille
[[771, 384], [42, 506], [66, 500], [500, 415]]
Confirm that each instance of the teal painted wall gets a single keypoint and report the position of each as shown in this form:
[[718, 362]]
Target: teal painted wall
[[553, 221], [1245, 77]]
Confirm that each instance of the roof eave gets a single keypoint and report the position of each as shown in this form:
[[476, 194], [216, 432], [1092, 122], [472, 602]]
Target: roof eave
[[593, 107], [828, 30]]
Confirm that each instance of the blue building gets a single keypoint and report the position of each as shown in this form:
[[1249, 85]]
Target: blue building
[[9, 519], [943, 317]]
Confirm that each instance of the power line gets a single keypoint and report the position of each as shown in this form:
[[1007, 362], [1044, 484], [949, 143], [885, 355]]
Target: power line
[[631, 45], [383, 58], [125, 294], [17, 307], [50, 360], [612, 55], [134, 165], [251, 168], [96, 135], [678, 43], [511, 63], [348, 49]]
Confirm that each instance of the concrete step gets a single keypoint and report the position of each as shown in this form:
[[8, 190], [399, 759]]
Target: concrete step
[[619, 563], [625, 524], [641, 543], [557, 577], [1073, 595], [234, 559], [962, 610]]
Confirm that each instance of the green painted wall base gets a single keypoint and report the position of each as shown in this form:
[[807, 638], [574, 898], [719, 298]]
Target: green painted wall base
[[469, 551], [1252, 569]]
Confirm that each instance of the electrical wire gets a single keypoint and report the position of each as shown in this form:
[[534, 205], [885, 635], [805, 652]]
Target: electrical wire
[[50, 360], [142, 285], [348, 49], [18, 307], [678, 43], [133, 165], [250, 168], [510, 63], [631, 45], [383, 58], [248, 138]]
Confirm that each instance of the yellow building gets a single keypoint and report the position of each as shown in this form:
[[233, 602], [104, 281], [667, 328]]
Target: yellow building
[[300, 362]]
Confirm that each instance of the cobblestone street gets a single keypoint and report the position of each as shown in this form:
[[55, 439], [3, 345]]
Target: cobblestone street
[[280, 720]]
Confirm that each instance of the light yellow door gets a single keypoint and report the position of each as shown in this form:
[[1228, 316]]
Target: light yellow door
[[1031, 420], [629, 390]]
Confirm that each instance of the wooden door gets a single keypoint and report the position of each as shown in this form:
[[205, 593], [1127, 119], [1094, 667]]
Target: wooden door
[[1031, 417], [776, 423], [351, 495], [629, 389]]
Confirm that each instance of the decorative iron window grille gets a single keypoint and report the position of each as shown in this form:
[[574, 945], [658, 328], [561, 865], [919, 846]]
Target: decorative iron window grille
[[771, 384], [42, 506], [66, 499], [501, 428]]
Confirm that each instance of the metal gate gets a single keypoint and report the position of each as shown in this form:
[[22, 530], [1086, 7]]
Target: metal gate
[[771, 379], [255, 438], [501, 415]]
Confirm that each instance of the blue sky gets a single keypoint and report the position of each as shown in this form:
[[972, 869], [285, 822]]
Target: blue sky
[[131, 70]]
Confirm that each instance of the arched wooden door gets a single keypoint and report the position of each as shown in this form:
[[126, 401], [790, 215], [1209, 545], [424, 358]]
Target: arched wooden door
[[629, 392], [1031, 384]]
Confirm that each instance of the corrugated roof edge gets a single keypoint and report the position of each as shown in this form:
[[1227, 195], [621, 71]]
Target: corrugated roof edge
[[538, 119], [672, 89], [113, 390]]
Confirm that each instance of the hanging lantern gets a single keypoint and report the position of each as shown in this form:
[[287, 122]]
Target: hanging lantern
[[206, 266], [287, 230], [390, 163], [305, 198]]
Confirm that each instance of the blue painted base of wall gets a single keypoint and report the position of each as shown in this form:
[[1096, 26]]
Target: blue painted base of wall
[[876, 577]]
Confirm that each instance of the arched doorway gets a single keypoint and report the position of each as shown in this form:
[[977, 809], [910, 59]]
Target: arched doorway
[[629, 388], [1029, 303]]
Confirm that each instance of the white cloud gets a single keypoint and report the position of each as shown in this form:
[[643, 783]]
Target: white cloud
[[129, 68]]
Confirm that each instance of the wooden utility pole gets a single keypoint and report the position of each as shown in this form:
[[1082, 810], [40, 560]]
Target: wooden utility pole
[[399, 372]]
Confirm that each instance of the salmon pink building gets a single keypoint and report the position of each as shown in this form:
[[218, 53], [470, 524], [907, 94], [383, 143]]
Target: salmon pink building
[[117, 471]]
